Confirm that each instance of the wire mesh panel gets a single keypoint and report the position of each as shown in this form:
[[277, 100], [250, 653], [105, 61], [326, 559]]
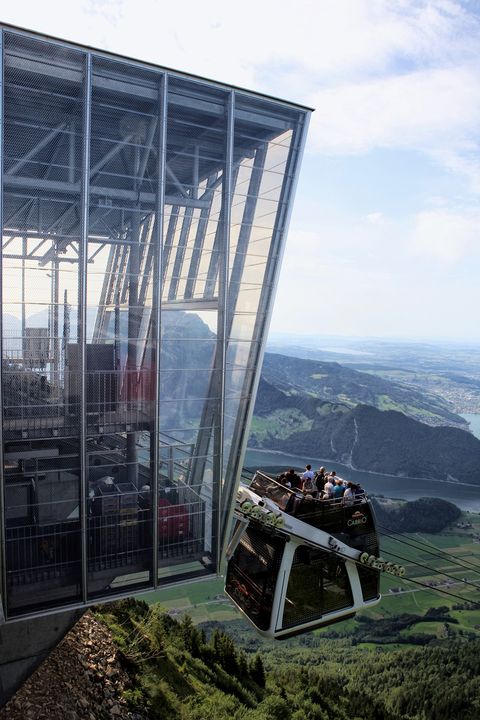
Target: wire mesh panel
[[139, 235], [191, 345], [121, 358], [43, 140]]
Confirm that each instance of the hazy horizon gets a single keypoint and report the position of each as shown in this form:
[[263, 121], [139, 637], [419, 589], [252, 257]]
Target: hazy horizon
[[277, 336]]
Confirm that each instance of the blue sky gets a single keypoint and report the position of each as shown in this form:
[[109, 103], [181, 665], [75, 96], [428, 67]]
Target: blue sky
[[384, 238]]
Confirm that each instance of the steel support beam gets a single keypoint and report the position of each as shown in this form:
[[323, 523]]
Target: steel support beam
[[3, 557], [247, 223], [25, 206], [157, 241], [199, 239], [118, 194], [99, 329], [113, 152], [264, 312], [222, 333], [214, 409], [39, 146], [28, 63], [168, 246], [180, 254], [82, 316], [213, 268]]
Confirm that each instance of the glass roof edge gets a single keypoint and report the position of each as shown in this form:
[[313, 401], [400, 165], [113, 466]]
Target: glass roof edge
[[146, 64]]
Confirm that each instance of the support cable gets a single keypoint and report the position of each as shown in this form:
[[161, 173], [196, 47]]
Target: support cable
[[444, 592], [428, 549], [437, 572]]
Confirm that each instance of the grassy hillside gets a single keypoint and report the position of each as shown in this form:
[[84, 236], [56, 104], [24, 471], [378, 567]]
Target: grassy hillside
[[179, 671], [202, 660], [339, 384]]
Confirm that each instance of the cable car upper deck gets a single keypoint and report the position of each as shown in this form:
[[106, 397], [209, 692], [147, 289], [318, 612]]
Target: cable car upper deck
[[348, 520]]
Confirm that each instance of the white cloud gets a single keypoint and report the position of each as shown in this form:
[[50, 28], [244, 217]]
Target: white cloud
[[427, 110], [380, 74], [445, 235], [320, 43], [376, 218]]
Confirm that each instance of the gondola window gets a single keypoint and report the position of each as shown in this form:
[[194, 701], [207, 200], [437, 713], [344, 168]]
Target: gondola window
[[318, 584]]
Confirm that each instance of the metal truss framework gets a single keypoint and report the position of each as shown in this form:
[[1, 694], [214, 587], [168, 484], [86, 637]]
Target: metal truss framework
[[152, 209]]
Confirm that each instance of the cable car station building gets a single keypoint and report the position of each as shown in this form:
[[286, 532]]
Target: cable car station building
[[143, 217]]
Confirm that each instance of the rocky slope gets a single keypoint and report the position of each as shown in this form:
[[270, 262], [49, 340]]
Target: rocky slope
[[81, 680]]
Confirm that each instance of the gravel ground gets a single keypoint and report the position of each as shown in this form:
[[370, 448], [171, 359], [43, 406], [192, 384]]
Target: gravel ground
[[81, 679]]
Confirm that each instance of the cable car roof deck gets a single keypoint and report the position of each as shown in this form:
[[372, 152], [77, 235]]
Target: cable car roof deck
[[329, 515]]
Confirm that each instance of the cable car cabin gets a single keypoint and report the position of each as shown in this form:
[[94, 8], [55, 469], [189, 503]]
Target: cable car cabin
[[295, 563]]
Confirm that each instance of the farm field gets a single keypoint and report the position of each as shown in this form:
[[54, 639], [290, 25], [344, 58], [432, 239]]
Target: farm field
[[205, 602]]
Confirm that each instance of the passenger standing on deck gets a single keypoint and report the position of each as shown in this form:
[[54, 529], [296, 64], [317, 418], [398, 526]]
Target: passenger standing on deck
[[283, 480], [292, 480], [338, 488], [348, 494], [320, 479], [308, 472], [328, 489], [308, 482]]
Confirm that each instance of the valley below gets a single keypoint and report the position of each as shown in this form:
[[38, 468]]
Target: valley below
[[394, 437]]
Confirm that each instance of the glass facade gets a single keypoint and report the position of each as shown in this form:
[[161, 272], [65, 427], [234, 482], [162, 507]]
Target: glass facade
[[143, 218]]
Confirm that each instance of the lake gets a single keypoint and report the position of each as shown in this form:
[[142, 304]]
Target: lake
[[467, 497], [474, 421]]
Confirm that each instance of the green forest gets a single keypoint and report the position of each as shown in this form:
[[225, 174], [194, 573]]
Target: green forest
[[178, 670]]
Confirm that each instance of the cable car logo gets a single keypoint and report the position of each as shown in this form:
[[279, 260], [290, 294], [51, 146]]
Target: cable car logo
[[381, 564], [257, 513], [357, 518]]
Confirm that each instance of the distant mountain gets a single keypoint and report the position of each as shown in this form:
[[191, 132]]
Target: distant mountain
[[363, 437], [336, 383]]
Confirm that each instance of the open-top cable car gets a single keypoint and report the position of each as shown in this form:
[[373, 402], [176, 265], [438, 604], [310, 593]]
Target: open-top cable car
[[296, 563]]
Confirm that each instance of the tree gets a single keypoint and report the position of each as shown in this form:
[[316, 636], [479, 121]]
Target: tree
[[257, 671]]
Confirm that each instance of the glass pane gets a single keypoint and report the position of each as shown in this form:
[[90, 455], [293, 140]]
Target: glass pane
[[43, 133], [135, 400], [196, 146], [264, 150], [253, 573], [189, 355], [318, 585], [121, 353]]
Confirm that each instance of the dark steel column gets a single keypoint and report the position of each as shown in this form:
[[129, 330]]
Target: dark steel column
[[82, 314], [222, 333], [3, 568], [157, 306]]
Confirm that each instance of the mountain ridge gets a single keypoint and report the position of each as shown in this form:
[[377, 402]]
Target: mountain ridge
[[363, 437], [335, 382]]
